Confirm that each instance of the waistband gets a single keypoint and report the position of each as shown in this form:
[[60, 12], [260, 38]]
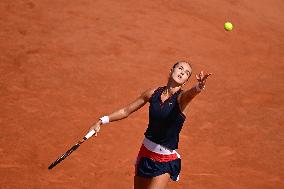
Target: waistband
[[144, 152], [157, 148]]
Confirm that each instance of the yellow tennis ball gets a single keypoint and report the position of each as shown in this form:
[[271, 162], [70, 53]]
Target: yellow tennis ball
[[228, 26]]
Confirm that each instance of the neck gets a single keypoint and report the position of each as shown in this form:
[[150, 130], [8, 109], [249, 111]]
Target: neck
[[171, 88]]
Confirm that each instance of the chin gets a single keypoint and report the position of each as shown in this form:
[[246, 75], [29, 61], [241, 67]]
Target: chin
[[178, 81]]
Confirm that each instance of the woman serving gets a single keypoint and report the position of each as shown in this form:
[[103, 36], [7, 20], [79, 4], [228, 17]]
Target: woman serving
[[157, 161]]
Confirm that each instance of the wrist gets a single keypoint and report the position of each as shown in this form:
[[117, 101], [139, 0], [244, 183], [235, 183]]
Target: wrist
[[104, 120], [199, 87]]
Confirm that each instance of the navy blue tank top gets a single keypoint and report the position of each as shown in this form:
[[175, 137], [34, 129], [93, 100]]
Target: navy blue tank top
[[165, 120]]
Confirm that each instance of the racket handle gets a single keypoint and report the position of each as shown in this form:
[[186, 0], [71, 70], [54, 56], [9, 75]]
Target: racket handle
[[89, 134]]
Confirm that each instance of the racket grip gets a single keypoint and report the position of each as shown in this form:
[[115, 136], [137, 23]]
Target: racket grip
[[89, 134]]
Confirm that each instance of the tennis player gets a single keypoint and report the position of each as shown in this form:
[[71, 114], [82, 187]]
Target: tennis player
[[158, 161]]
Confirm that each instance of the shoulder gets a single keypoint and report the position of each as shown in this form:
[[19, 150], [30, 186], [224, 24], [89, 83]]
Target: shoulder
[[147, 94]]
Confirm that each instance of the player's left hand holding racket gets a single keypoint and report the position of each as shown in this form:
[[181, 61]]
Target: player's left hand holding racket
[[93, 130]]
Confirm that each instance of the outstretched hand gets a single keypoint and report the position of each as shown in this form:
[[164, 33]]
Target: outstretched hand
[[201, 78], [96, 127]]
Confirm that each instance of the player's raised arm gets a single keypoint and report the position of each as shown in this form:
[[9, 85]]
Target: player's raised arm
[[189, 94], [125, 111]]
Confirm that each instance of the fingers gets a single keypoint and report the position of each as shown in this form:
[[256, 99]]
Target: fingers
[[198, 77], [202, 77], [97, 130], [206, 76]]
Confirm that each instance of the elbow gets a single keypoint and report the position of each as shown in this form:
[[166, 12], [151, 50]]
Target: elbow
[[125, 113]]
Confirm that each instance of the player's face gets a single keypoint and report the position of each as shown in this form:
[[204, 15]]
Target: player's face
[[181, 73]]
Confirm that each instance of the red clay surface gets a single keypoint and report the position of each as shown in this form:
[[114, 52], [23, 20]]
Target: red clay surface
[[63, 64]]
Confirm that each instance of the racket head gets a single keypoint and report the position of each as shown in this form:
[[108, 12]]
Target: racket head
[[63, 156]]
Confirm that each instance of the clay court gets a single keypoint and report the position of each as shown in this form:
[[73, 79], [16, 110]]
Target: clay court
[[64, 64]]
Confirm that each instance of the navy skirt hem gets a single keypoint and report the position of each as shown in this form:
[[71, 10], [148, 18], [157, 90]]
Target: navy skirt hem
[[148, 168]]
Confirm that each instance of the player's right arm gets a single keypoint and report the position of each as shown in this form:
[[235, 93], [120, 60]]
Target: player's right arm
[[131, 107], [126, 110]]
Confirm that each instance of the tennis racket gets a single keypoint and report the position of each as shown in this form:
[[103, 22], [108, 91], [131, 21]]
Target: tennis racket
[[72, 149]]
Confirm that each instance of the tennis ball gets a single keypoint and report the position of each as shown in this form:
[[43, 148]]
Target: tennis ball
[[228, 26]]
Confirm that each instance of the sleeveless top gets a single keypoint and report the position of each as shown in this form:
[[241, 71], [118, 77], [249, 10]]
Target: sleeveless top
[[165, 120]]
